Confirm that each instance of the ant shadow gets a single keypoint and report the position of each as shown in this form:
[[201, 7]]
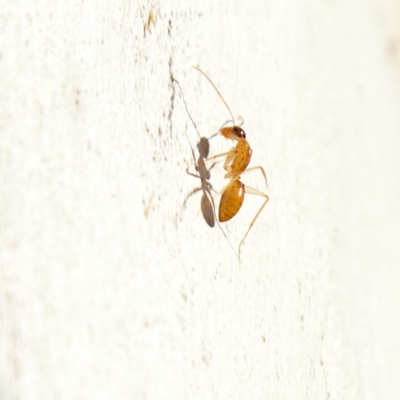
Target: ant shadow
[[207, 204], [202, 172]]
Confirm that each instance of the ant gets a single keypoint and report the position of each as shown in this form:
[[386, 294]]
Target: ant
[[236, 162], [204, 174]]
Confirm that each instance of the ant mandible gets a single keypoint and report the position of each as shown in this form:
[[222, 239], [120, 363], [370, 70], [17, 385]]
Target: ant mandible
[[236, 162]]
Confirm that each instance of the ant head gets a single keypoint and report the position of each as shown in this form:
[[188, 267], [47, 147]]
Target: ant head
[[239, 132], [204, 147]]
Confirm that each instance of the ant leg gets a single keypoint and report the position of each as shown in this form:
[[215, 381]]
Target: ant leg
[[257, 167], [219, 155], [229, 159], [258, 193]]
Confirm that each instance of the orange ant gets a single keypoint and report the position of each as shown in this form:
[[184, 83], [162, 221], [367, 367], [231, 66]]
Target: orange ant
[[236, 162]]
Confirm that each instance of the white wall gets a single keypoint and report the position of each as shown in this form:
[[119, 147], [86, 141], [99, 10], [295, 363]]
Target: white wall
[[111, 289]]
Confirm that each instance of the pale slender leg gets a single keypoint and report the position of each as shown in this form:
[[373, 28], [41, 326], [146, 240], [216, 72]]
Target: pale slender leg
[[219, 155], [257, 167], [258, 193]]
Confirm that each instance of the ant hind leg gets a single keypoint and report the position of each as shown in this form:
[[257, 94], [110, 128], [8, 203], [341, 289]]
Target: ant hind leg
[[258, 193], [257, 167]]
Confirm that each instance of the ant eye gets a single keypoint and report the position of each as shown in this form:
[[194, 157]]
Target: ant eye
[[239, 132]]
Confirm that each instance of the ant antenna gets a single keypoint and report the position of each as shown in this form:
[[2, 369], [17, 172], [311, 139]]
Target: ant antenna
[[184, 102], [220, 95]]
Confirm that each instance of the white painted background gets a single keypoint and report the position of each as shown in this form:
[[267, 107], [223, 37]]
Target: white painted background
[[109, 289]]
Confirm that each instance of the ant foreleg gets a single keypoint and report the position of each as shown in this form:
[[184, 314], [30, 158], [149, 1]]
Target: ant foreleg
[[219, 155]]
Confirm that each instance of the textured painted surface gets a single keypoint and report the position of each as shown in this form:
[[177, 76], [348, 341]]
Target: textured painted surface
[[109, 288]]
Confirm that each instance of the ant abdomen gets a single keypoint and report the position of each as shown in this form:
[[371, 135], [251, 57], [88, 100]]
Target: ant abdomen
[[231, 200]]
